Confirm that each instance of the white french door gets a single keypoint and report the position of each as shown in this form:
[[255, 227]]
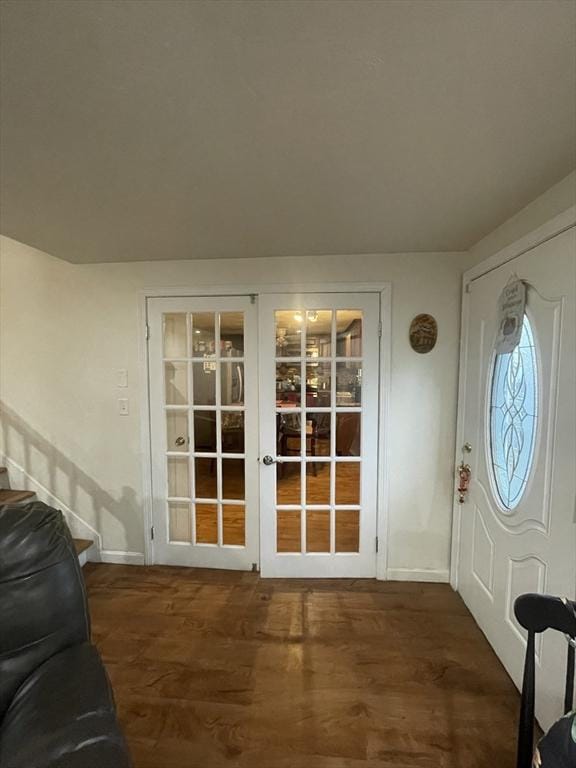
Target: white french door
[[303, 384], [319, 374], [517, 531], [204, 426]]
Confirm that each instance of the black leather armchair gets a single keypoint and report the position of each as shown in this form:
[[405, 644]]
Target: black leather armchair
[[56, 703]]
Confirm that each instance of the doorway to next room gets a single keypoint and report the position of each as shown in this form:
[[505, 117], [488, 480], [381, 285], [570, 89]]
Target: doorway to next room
[[264, 424]]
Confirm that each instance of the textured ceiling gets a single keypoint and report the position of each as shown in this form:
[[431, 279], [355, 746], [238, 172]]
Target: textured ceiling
[[169, 130]]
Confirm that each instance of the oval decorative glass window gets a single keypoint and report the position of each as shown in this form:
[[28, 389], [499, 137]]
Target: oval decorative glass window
[[513, 417]]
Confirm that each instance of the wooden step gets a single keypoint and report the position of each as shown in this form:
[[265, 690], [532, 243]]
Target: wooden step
[[82, 545], [14, 497], [8, 496]]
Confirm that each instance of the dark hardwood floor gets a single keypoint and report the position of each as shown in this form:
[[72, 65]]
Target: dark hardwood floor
[[216, 668]]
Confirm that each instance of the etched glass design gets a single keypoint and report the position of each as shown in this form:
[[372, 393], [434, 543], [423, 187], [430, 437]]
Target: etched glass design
[[513, 418]]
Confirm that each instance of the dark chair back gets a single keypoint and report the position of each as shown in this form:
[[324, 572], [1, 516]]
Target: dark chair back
[[537, 613], [43, 605]]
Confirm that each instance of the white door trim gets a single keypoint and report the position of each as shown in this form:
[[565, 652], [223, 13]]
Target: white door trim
[[145, 428], [383, 489], [385, 291], [201, 289], [549, 230]]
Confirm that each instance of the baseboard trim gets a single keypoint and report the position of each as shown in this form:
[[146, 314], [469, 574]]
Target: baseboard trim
[[118, 557], [415, 574]]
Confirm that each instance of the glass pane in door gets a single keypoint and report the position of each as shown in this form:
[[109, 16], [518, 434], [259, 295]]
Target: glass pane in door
[[348, 434], [318, 332], [177, 438], [349, 384], [289, 434], [205, 431], [178, 481], [203, 383], [347, 530], [288, 384], [318, 530], [176, 380], [232, 383], [175, 335], [231, 334], [318, 482], [289, 537], [289, 324], [288, 484], [232, 436], [203, 334], [318, 433], [233, 479], [318, 385], [206, 524], [180, 524], [348, 482], [349, 333], [206, 476], [233, 525]]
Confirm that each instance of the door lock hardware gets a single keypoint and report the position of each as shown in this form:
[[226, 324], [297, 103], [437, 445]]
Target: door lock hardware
[[464, 476]]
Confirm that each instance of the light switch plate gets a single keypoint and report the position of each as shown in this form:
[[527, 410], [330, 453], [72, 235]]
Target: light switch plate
[[121, 377], [123, 406]]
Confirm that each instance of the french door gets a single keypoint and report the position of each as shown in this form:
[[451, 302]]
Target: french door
[[517, 531], [265, 437], [319, 364], [204, 429]]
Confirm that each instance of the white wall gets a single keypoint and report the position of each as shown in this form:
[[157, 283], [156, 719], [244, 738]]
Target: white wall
[[65, 330]]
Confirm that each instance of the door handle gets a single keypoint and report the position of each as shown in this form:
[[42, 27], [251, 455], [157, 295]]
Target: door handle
[[180, 440], [267, 460]]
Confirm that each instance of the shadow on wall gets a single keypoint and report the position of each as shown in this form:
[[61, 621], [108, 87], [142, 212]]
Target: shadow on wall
[[63, 480]]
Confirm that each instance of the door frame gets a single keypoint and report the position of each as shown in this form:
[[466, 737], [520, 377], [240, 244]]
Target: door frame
[[535, 238], [384, 289]]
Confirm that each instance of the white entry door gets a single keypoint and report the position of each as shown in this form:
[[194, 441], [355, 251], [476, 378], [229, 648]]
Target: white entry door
[[517, 531], [203, 407], [319, 374]]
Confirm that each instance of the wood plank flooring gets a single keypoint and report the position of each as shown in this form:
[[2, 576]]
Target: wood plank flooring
[[216, 668]]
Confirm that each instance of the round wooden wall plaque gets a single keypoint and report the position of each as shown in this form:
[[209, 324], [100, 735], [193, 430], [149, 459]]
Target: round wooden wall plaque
[[423, 333]]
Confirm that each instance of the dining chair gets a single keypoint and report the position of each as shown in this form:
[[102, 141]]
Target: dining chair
[[537, 613]]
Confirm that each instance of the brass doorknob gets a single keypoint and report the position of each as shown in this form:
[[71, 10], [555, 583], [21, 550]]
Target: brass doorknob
[[180, 440]]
